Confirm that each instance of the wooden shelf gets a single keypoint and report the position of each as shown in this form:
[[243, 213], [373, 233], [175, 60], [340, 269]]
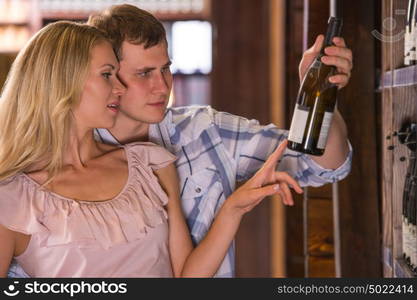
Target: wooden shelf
[[406, 76]]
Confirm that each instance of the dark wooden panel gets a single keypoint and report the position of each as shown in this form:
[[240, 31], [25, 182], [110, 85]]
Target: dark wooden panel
[[320, 238], [324, 191], [359, 193], [240, 85], [240, 77], [294, 215]]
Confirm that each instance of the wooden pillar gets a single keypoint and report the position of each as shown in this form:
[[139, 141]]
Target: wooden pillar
[[359, 193], [293, 54], [241, 86], [278, 104]]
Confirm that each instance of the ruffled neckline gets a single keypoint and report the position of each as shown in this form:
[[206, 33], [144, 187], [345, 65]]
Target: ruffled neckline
[[31, 181], [29, 208]]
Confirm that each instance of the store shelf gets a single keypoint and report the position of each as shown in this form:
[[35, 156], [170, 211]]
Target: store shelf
[[406, 76]]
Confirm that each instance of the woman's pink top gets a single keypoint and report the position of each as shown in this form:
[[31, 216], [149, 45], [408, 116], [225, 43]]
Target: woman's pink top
[[126, 236]]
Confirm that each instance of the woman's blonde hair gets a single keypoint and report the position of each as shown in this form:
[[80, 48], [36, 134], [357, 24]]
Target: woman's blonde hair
[[45, 82]]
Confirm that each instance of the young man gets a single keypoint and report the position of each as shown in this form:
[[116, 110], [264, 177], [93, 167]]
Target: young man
[[214, 149]]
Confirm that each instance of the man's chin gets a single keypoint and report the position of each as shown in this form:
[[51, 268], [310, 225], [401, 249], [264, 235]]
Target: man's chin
[[149, 117], [153, 118]]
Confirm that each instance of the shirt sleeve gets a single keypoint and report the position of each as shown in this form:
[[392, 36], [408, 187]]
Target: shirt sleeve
[[250, 144]]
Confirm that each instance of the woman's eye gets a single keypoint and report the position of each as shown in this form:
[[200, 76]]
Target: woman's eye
[[106, 75]]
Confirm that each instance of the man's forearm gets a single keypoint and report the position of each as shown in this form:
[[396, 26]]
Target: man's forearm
[[337, 147]]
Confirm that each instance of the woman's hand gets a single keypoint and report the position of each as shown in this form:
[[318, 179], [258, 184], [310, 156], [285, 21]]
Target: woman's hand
[[338, 55], [266, 182], [207, 257]]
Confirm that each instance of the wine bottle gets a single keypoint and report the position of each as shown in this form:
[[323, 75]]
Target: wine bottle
[[408, 36], [405, 207], [413, 222], [316, 101]]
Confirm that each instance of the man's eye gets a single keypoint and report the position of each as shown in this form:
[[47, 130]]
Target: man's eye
[[166, 69], [144, 74]]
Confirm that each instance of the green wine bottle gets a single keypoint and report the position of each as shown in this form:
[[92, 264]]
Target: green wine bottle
[[316, 101]]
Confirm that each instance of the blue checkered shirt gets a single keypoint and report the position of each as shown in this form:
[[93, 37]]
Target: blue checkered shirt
[[214, 151]]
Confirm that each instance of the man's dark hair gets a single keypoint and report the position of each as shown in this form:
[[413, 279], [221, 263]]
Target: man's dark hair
[[129, 23]]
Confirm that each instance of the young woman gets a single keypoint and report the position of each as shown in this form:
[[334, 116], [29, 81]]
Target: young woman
[[72, 207]]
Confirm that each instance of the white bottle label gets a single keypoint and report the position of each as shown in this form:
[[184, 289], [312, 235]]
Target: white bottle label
[[298, 124], [324, 131]]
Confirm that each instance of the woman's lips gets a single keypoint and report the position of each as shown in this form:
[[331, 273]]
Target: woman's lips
[[114, 107]]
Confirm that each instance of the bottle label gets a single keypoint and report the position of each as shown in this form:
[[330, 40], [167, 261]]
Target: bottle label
[[298, 124], [324, 131]]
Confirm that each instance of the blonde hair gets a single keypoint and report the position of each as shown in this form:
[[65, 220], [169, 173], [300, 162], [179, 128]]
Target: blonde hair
[[43, 85]]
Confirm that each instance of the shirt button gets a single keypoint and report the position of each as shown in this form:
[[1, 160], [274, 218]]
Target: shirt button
[[198, 190]]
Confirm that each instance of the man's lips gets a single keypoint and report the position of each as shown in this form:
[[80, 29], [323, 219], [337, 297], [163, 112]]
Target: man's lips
[[157, 104]]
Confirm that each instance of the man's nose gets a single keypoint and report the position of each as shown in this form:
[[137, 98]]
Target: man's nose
[[161, 83]]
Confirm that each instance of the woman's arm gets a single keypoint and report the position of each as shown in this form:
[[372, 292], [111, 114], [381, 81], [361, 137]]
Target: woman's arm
[[205, 259], [7, 248]]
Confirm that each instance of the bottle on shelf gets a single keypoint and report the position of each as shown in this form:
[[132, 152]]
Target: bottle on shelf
[[413, 223], [316, 102], [405, 209], [408, 137], [408, 33]]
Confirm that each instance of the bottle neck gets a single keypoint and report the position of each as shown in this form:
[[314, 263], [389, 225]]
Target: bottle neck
[[334, 29]]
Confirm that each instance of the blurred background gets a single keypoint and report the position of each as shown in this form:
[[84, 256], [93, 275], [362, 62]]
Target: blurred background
[[242, 56]]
